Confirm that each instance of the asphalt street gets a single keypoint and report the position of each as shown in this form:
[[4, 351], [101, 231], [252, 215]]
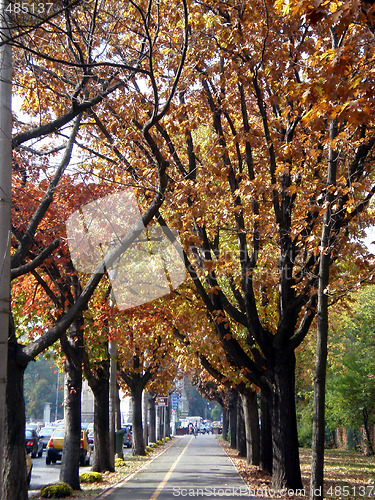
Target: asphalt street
[[192, 467]]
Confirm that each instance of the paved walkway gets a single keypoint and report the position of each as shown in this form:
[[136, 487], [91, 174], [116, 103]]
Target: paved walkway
[[191, 467]]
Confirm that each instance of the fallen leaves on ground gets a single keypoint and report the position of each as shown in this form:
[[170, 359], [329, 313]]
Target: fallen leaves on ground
[[348, 475]]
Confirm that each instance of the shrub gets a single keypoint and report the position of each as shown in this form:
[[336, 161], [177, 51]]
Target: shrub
[[119, 462], [91, 477], [159, 442], [167, 439], [58, 490]]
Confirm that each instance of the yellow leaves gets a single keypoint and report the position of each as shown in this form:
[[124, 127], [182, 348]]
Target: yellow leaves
[[333, 6], [283, 7]]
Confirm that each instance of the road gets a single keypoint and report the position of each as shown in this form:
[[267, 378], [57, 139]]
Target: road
[[191, 467], [43, 474]]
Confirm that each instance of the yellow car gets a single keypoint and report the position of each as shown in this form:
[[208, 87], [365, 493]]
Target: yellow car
[[56, 444]]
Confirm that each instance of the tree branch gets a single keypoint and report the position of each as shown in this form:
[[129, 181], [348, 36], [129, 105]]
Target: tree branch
[[30, 266]]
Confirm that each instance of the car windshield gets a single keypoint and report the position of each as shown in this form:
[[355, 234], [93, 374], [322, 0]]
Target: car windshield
[[28, 434], [59, 433]]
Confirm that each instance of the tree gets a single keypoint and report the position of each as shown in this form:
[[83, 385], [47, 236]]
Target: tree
[[215, 362], [42, 384], [146, 351], [88, 79], [5, 207], [336, 20], [96, 364], [250, 173], [350, 380]]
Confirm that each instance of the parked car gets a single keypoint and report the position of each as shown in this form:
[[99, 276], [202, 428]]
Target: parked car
[[45, 434], [33, 443], [128, 436], [55, 447]]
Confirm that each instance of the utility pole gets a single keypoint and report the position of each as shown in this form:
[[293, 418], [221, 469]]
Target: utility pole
[[5, 207]]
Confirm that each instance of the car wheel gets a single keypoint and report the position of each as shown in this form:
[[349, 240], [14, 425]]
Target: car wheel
[[53, 461], [48, 461], [40, 453], [33, 454]]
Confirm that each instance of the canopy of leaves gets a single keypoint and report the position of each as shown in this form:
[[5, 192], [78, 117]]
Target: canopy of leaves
[[351, 379]]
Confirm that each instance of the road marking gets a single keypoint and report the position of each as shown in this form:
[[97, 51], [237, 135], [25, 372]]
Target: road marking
[[168, 474]]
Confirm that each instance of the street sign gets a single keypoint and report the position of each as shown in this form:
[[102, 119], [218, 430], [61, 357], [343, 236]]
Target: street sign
[[161, 401], [174, 412], [175, 399]]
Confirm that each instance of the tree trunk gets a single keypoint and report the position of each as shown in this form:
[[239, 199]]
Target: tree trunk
[[265, 435], [225, 424], [138, 443], [101, 459], [234, 401], [251, 417], [286, 471], [72, 345], [241, 432], [317, 455], [151, 402], [14, 485], [370, 448]]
